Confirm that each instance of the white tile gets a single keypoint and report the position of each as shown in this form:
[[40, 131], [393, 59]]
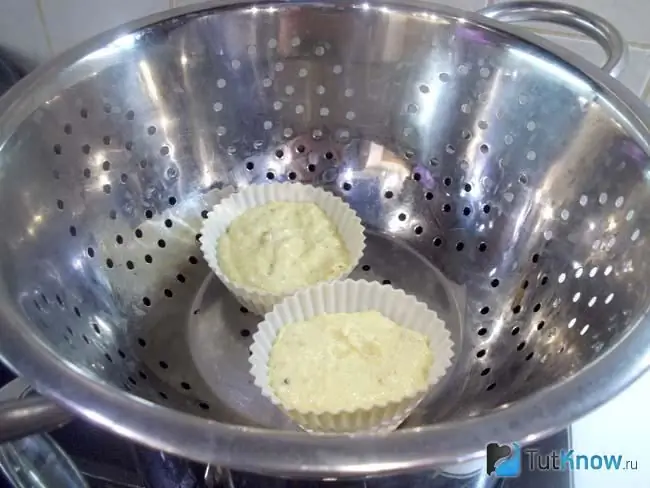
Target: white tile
[[21, 30], [617, 428], [636, 71], [646, 94], [69, 22], [629, 16]]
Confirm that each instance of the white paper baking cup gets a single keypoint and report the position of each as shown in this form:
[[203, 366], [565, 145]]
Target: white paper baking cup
[[219, 219], [345, 297]]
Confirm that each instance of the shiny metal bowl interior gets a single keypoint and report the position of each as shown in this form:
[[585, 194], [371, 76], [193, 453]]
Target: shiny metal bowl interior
[[467, 151]]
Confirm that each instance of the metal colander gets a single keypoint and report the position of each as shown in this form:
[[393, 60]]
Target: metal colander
[[469, 148]]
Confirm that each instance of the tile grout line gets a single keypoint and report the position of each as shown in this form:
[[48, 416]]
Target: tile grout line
[[41, 18]]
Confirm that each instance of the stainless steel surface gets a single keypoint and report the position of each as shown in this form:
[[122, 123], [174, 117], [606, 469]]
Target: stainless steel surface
[[107, 461], [37, 460], [21, 415], [509, 165], [588, 23], [29, 415]]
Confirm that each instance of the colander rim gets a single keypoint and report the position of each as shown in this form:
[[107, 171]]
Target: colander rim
[[291, 453]]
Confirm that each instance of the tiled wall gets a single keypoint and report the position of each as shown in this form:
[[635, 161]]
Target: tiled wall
[[34, 30]]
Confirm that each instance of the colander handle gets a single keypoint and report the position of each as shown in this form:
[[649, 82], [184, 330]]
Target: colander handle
[[22, 415], [588, 23]]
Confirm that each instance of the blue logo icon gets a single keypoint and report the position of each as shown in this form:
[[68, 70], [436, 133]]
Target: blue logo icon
[[503, 460]]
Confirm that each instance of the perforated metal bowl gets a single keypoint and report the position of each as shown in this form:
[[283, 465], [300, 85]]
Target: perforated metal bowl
[[470, 148]]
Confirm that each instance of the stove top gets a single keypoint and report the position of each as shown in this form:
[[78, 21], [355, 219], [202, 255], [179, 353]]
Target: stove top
[[107, 461]]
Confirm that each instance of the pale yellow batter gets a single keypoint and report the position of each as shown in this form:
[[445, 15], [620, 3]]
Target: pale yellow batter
[[347, 361], [281, 247]]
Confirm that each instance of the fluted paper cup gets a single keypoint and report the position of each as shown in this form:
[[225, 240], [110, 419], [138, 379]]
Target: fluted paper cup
[[347, 222], [350, 296]]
